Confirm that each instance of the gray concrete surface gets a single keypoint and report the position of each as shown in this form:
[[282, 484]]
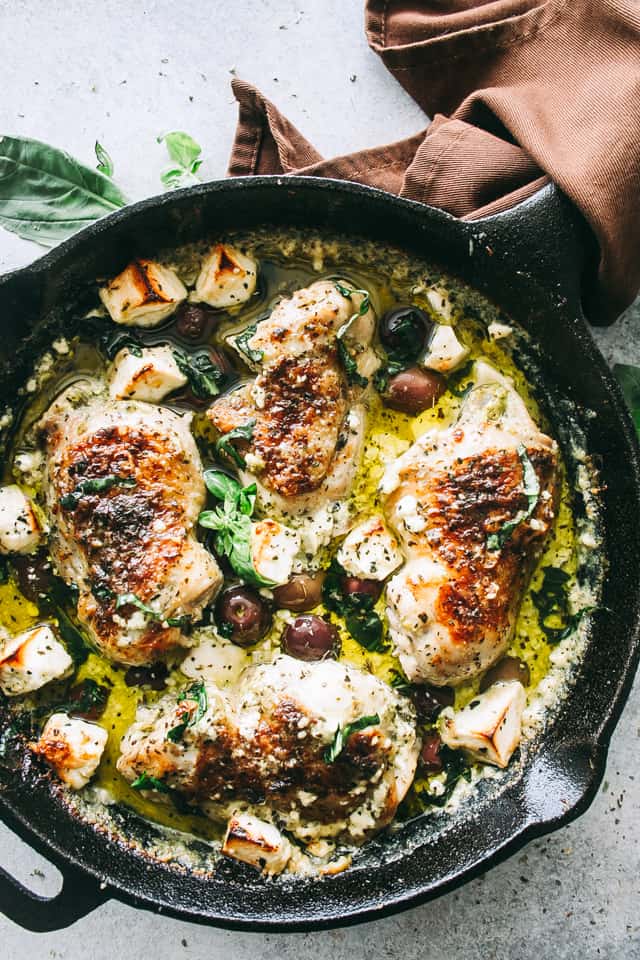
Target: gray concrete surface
[[124, 72]]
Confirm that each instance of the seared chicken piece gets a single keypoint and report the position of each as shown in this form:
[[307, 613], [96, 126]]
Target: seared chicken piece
[[227, 277], [472, 505], [73, 747], [308, 422], [123, 490], [143, 295], [265, 744]]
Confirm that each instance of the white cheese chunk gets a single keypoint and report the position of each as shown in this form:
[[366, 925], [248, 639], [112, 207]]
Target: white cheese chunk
[[370, 551], [19, 528], [407, 510], [143, 295], [490, 726], [445, 352], [273, 550], [149, 377], [498, 331], [227, 277], [32, 659], [257, 843], [215, 659], [73, 747], [440, 301]]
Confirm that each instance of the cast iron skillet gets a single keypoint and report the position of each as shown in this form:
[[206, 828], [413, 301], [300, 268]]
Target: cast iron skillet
[[530, 261]]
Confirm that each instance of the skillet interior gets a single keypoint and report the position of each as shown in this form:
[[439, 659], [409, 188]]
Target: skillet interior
[[528, 261]]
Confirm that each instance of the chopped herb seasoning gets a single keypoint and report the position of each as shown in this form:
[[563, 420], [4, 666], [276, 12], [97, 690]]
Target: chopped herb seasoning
[[531, 488], [361, 620], [126, 599], [197, 693], [342, 734], [203, 375], [147, 782], [242, 343], [225, 445], [94, 485]]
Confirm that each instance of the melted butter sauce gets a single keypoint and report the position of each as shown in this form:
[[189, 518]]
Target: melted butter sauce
[[389, 434]]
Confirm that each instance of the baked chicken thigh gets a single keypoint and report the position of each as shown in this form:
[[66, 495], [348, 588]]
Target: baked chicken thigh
[[123, 492], [322, 749], [472, 505]]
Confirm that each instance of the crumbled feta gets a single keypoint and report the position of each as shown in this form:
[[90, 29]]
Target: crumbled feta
[[370, 550]]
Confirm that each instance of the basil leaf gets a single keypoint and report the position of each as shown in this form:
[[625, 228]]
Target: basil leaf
[[185, 155], [456, 768], [242, 343], [105, 163], [146, 782], [555, 617], [221, 485], [628, 376], [231, 523], [224, 444], [348, 362], [76, 642], [198, 693], [89, 700], [46, 195], [102, 592], [342, 734], [361, 620], [94, 485], [531, 489], [203, 375]]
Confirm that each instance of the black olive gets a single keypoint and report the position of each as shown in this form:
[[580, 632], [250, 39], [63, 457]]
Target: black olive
[[34, 574], [429, 701], [302, 592], [358, 585], [310, 638], [404, 331], [430, 759], [192, 321], [154, 676], [242, 615]]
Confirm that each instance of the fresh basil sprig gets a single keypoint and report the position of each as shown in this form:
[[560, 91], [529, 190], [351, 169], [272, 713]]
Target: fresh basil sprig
[[46, 195], [342, 734], [186, 158], [130, 599], [628, 376], [231, 521], [361, 620], [348, 362], [224, 444], [531, 489], [94, 485], [197, 692], [203, 375]]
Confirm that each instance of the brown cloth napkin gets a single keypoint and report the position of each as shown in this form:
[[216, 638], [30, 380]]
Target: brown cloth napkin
[[520, 91]]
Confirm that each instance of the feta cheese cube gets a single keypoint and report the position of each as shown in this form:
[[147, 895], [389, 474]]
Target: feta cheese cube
[[257, 843], [73, 747], [445, 352], [273, 550], [490, 726], [370, 551], [227, 277], [149, 377], [20, 530], [143, 295], [32, 659]]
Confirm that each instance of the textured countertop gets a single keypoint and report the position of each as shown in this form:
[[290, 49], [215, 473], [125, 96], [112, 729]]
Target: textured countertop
[[124, 72]]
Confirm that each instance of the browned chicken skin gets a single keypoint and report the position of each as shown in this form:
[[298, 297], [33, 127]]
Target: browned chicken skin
[[135, 534]]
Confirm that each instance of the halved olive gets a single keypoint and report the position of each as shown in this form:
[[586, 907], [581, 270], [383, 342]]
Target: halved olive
[[242, 615], [302, 592], [34, 574], [430, 759], [414, 390], [404, 331], [309, 638], [509, 668]]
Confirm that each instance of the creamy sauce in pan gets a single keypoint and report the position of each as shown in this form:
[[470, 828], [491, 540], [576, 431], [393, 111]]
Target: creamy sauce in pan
[[290, 261]]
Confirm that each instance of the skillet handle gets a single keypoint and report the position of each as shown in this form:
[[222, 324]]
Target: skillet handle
[[80, 894]]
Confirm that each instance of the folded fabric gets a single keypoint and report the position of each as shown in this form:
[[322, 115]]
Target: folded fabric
[[520, 91]]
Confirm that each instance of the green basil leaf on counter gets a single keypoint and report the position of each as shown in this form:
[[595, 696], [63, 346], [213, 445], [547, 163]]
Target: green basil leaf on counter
[[46, 195], [105, 163], [628, 376], [342, 734], [185, 155]]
